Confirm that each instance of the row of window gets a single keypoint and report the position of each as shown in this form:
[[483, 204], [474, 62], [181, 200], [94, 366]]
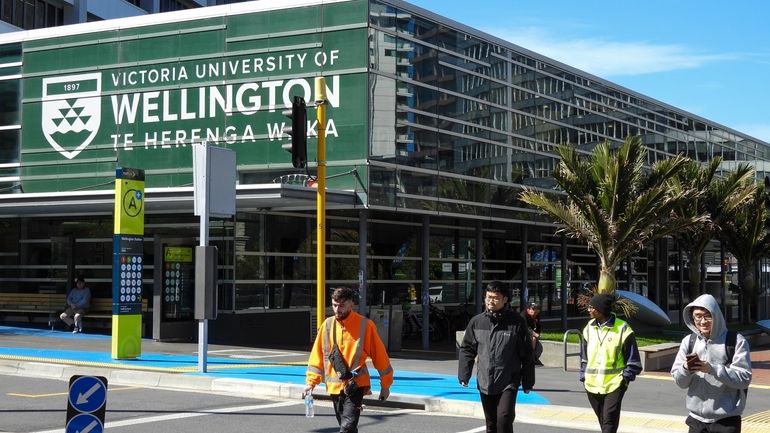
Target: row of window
[[267, 261], [37, 14], [434, 44], [31, 14]]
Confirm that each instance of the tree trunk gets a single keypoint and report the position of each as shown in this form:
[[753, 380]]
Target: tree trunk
[[695, 276], [606, 281]]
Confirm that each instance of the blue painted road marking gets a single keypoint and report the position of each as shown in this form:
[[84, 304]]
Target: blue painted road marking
[[85, 423], [87, 394]]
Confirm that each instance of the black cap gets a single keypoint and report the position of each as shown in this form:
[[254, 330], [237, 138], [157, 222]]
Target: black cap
[[602, 303]]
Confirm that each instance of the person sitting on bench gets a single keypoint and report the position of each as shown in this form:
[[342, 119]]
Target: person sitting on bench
[[78, 301]]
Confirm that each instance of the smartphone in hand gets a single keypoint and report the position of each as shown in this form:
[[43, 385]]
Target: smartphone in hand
[[692, 360]]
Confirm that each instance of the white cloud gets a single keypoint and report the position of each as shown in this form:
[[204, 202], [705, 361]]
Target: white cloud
[[609, 58]]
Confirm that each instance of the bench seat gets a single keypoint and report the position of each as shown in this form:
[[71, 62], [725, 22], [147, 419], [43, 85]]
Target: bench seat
[[659, 356], [31, 306]]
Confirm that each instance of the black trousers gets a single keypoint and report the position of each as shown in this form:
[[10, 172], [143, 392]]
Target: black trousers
[[347, 409], [499, 410], [607, 408], [724, 425]]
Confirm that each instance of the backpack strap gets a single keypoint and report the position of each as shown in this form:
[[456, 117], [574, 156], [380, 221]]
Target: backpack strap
[[691, 343], [730, 341]]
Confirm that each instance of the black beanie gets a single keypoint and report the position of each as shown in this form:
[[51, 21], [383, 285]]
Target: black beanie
[[602, 303]]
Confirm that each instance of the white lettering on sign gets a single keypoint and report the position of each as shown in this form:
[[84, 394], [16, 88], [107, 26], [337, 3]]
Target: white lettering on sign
[[247, 99], [223, 69], [172, 100]]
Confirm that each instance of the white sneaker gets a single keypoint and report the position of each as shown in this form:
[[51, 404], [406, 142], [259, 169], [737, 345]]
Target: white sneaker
[[75, 331]]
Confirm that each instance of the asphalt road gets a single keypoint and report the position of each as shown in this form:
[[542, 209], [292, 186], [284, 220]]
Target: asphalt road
[[32, 404], [40, 405]]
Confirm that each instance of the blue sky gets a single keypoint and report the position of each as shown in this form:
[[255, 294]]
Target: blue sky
[[708, 57]]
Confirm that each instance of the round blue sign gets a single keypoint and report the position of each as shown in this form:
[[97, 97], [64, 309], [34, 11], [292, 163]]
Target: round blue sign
[[84, 423], [87, 394]]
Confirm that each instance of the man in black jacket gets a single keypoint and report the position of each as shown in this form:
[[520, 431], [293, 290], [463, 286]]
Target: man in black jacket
[[501, 340]]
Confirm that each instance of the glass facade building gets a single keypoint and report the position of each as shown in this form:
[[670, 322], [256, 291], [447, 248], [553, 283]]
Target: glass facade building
[[433, 130]]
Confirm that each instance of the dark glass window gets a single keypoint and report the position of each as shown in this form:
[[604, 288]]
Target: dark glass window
[[40, 7], [176, 5], [6, 10], [10, 53], [18, 13], [382, 15], [9, 102], [9, 146], [30, 14]]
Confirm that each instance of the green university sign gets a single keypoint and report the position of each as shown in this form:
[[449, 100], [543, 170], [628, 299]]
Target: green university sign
[[141, 96]]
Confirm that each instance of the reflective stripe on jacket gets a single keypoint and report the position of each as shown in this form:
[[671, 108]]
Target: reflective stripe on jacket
[[357, 340], [604, 358]]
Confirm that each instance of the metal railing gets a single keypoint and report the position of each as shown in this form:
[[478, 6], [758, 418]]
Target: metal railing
[[566, 354]]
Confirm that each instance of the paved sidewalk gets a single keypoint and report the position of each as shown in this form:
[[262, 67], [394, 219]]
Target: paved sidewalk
[[425, 380]]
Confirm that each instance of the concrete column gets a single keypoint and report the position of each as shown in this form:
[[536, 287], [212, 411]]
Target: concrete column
[[680, 286], [425, 281], [479, 256], [524, 282], [564, 281], [363, 237], [722, 278]]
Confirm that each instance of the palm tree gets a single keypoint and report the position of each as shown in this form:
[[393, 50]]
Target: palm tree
[[747, 238], [719, 197], [613, 203]]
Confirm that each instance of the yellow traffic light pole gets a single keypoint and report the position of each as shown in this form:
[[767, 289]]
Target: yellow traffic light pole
[[320, 102]]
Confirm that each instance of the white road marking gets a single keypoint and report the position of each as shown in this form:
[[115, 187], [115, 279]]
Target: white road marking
[[183, 415], [476, 430], [255, 353]]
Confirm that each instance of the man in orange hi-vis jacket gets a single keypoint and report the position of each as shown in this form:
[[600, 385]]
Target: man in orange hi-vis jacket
[[356, 339]]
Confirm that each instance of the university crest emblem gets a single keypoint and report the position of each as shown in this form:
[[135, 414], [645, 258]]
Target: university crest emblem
[[71, 112]]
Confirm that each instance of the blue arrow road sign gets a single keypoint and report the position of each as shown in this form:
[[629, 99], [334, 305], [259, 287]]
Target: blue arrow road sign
[[87, 394], [85, 423]]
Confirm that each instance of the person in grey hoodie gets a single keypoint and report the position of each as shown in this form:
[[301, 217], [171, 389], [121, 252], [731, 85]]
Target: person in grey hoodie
[[716, 386]]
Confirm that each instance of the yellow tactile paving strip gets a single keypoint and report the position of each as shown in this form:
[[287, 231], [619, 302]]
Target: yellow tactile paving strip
[[191, 369], [757, 423], [666, 376], [761, 417]]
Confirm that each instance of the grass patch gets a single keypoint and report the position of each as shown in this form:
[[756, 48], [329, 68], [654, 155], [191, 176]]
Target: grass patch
[[641, 340], [668, 334]]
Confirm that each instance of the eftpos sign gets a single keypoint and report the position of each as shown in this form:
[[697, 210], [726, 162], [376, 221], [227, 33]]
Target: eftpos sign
[[71, 112]]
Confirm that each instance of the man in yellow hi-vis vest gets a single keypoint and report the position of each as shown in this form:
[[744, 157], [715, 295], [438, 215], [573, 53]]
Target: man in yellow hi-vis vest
[[609, 360]]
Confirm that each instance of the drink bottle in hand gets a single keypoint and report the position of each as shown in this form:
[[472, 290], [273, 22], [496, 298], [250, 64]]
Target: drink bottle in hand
[[309, 411]]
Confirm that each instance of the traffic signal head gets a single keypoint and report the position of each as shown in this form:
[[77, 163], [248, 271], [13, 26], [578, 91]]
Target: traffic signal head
[[297, 129]]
